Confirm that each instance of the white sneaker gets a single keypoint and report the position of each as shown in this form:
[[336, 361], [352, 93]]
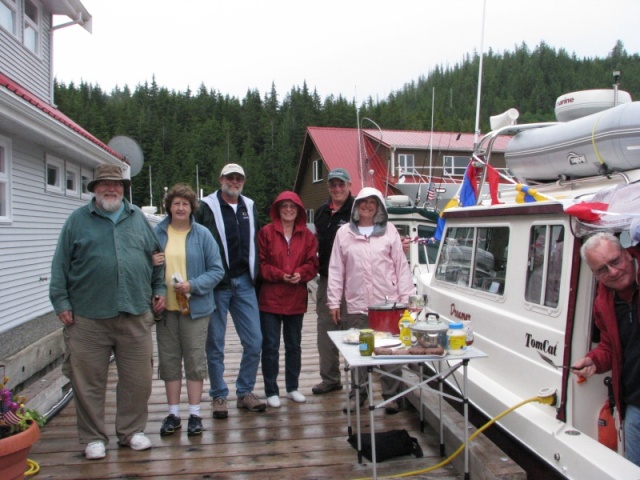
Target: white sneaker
[[296, 396], [95, 451], [139, 442], [273, 401]]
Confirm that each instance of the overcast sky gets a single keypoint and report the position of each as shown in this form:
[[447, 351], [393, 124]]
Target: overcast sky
[[357, 48]]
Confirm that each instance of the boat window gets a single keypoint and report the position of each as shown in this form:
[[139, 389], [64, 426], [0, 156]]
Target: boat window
[[490, 264], [544, 264], [475, 257]]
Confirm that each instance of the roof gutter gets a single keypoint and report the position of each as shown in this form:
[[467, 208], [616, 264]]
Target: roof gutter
[[27, 122]]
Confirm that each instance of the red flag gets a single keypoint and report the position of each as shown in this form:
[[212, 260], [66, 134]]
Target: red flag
[[585, 211], [493, 177]]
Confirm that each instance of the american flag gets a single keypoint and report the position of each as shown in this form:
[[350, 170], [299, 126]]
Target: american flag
[[9, 418], [431, 192]]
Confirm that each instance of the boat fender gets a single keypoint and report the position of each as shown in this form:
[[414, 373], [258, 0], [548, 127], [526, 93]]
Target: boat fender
[[607, 433]]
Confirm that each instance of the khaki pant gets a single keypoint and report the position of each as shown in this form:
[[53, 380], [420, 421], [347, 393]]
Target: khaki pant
[[89, 345], [327, 351]]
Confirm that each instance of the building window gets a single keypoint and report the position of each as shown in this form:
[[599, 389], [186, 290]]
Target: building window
[[8, 16], [72, 184], [5, 179], [455, 166], [32, 26], [85, 178], [406, 163], [55, 175], [317, 171]]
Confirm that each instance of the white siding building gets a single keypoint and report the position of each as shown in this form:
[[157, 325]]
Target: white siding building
[[46, 161]]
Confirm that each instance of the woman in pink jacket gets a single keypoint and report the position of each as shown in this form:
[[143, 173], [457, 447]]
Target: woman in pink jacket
[[288, 260], [368, 266]]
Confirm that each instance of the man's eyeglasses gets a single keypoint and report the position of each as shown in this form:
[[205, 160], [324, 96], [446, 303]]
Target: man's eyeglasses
[[234, 178], [111, 183], [615, 264]]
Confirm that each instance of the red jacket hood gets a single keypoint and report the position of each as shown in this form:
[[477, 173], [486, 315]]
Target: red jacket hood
[[301, 219]]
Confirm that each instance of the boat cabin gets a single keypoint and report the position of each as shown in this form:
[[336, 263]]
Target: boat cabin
[[513, 270]]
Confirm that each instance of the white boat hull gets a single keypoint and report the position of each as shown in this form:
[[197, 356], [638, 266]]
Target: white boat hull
[[513, 330]]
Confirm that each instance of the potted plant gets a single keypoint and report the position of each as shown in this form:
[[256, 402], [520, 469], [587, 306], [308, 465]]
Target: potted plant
[[19, 430]]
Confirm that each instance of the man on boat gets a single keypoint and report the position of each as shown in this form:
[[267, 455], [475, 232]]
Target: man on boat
[[232, 219], [328, 218], [103, 288], [615, 312]]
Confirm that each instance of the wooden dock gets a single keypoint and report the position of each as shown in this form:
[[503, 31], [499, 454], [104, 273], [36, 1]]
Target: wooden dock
[[302, 441]]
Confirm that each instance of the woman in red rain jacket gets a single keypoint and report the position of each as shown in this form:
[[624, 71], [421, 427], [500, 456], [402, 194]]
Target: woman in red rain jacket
[[288, 260]]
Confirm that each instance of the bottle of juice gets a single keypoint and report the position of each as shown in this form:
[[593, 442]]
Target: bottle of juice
[[405, 332]]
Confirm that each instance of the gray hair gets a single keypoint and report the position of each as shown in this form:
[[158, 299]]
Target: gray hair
[[595, 240], [378, 218]]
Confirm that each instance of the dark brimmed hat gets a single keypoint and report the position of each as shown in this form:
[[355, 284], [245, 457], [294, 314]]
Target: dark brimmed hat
[[340, 174], [107, 172]]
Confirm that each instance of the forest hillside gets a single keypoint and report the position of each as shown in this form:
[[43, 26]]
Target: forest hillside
[[184, 134]]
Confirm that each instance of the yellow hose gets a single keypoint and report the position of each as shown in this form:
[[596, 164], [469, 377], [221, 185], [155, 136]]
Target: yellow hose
[[548, 400], [32, 468]]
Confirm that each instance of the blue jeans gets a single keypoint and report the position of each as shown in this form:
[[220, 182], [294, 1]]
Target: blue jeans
[[239, 300], [291, 326], [632, 434]]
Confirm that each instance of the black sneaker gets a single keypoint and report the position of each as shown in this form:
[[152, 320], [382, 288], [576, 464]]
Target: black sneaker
[[170, 425], [195, 426]]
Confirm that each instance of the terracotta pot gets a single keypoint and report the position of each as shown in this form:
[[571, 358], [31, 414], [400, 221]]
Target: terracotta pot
[[14, 451], [385, 317]]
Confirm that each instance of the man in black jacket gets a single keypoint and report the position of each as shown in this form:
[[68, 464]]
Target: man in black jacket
[[328, 218]]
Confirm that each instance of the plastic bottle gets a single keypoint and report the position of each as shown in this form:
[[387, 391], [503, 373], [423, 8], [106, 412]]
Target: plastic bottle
[[468, 330], [183, 303], [456, 339], [405, 332]]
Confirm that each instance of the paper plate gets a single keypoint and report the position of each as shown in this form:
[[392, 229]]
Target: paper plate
[[387, 342]]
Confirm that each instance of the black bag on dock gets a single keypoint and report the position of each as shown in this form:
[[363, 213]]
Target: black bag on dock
[[394, 443]]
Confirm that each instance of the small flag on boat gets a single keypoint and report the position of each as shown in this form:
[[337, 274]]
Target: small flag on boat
[[493, 178], [589, 212], [469, 189], [431, 191], [527, 194]]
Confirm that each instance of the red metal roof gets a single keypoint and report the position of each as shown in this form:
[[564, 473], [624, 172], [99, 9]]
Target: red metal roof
[[338, 147], [56, 114], [425, 140]]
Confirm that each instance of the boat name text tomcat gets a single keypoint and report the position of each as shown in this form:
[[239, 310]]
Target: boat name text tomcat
[[543, 346]]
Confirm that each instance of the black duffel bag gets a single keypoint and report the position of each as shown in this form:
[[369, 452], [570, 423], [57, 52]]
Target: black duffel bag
[[394, 443]]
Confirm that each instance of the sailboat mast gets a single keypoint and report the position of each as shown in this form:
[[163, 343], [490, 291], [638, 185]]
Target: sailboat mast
[[150, 189], [477, 126]]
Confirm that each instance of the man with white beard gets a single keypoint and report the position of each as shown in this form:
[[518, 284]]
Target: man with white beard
[[232, 219], [105, 291]]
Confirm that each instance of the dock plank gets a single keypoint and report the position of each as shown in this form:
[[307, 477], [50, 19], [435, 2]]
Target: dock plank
[[306, 441]]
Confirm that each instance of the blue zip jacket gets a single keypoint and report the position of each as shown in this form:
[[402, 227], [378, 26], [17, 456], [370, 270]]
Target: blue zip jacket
[[204, 266]]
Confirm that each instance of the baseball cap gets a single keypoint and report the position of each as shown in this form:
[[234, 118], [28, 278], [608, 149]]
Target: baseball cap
[[340, 174], [232, 168]]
